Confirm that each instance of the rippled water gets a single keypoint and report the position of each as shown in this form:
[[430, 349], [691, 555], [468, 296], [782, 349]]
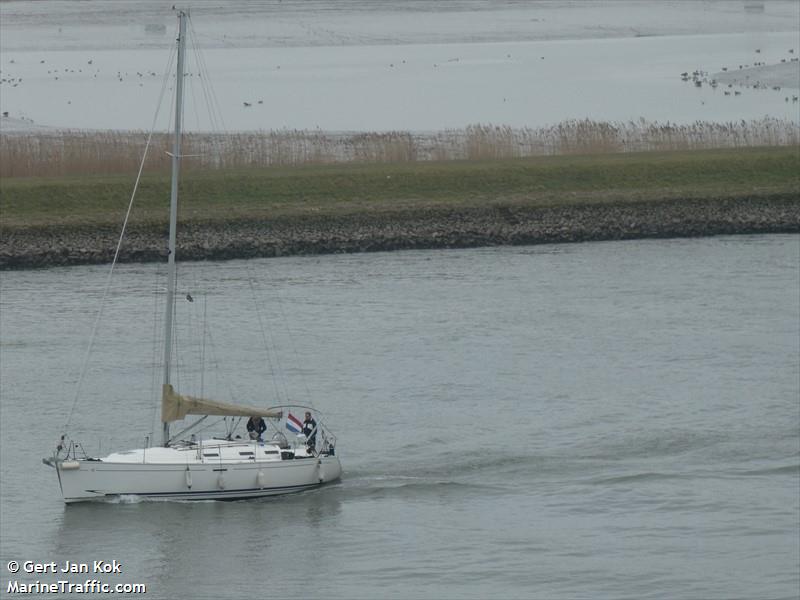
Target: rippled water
[[607, 420]]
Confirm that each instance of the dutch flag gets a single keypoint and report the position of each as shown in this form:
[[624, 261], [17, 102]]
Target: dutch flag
[[293, 424]]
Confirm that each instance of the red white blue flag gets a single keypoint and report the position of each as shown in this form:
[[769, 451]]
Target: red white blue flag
[[293, 424]]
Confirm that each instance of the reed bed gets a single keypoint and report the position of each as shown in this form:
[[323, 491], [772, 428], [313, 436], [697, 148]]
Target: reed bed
[[59, 153]]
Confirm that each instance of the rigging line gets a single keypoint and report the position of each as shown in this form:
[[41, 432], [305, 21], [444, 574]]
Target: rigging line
[[182, 324], [157, 349], [220, 141], [203, 75], [186, 430], [167, 149], [215, 117], [197, 323], [198, 341], [275, 370], [183, 355], [217, 367], [107, 287], [229, 427], [180, 210], [203, 347], [211, 424], [183, 358], [193, 103], [195, 328], [270, 346], [214, 137], [189, 331], [291, 344], [214, 103], [294, 350], [176, 350], [212, 143]]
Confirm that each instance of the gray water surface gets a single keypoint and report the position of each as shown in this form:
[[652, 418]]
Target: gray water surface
[[606, 420]]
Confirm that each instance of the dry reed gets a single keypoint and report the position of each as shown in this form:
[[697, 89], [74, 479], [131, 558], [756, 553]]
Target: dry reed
[[112, 152]]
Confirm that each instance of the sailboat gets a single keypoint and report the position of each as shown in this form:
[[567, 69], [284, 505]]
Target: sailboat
[[220, 468]]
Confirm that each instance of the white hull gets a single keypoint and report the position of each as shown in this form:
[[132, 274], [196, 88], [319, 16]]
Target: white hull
[[157, 474]]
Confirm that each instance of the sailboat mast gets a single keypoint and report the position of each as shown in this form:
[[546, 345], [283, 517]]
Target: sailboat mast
[[173, 207]]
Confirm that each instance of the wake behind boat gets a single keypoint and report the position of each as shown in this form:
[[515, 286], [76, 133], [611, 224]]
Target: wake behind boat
[[226, 467]]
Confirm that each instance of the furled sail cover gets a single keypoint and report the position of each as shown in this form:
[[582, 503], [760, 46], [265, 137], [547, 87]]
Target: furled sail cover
[[176, 406]]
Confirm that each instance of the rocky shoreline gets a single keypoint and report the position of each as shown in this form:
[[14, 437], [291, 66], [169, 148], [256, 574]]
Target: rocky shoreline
[[433, 228]]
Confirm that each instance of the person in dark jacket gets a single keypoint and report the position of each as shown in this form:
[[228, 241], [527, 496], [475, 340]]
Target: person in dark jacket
[[310, 431], [255, 427]]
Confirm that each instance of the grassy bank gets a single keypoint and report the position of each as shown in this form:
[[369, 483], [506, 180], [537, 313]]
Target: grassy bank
[[218, 196], [54, 153]]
